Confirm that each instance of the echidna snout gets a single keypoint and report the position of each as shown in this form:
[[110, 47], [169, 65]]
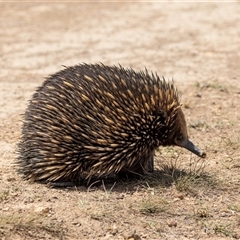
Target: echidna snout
[[181, 138], [192, 148]]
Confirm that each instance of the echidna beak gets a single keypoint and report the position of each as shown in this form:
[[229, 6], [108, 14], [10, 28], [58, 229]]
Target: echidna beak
[[192, 148]]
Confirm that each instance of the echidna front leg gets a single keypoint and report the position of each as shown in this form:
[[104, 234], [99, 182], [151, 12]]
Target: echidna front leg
[[150, 166]]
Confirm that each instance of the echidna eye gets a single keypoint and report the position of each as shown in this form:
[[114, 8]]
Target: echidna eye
[[179, 138]]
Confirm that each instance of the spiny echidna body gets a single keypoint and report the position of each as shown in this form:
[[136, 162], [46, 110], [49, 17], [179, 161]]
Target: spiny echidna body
[[96, 120]]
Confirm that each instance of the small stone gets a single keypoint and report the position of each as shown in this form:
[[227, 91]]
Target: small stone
[[172, 224], [180, 196], [11, 179]]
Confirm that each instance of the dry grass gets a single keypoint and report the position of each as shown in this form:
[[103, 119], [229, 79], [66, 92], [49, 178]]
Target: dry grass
[[185, 196], [29, 225]]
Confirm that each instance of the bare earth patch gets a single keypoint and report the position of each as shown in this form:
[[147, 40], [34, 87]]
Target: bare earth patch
[[186, 197]]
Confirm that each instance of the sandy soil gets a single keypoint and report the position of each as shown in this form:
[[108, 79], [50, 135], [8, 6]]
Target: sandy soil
[[186, 198]]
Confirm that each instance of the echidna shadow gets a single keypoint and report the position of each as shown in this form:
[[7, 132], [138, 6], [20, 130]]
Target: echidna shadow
[[92, 120]]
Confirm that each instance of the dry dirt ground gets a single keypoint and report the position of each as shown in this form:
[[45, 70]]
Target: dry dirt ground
[[198, 45]]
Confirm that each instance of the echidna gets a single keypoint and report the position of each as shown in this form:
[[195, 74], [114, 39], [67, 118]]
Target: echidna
[[97, 120]]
